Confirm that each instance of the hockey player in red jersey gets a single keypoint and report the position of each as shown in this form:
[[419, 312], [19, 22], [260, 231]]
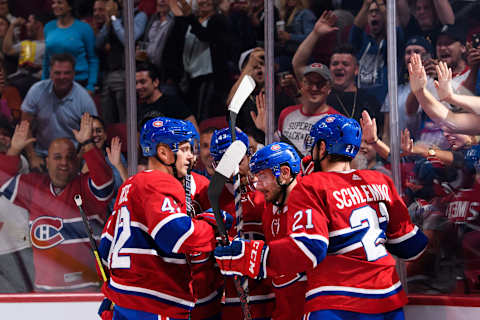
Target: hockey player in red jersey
[[145, 240], [341, 224], [61, 250], [276, 167], [260, 292]]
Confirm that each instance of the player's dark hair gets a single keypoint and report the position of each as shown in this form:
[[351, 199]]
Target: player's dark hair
[[339, 158], [62, 57]]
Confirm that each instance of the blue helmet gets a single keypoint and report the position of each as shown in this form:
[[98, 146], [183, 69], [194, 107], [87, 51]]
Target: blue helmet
[[341, 135], [472, 159], [195, 137], [273, 156], [222, 139], [169, 131]]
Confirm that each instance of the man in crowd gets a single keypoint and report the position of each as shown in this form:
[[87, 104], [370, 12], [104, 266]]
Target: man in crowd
[[54, 107], [295, 122], [61, 250], [345, 96], [152, 100]]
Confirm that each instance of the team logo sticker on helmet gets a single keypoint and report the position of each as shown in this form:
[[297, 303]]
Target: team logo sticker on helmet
[[157, 124], [275, 147], [330, 119]]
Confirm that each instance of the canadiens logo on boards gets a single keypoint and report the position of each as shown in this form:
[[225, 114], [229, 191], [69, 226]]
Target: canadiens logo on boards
[[157, 123]]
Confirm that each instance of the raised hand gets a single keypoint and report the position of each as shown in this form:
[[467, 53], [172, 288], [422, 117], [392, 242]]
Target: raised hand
[[444, 82], [260, 118], [406, 143], [473, 56], [85, 132], [20, 138], [114, 151], [369, 128], [326, 23], [416, 72]]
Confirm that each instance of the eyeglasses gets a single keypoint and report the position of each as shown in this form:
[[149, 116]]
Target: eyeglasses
[[98, 130]]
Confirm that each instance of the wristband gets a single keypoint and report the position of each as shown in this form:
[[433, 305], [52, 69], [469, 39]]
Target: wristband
[[84, 143], [374, 142]]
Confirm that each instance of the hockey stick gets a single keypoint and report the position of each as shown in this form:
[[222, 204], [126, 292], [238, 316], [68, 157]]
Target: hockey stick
[[93, 244], [246, 87], [225, 169]]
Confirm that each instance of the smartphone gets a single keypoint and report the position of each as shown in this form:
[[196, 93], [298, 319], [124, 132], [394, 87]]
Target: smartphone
[[476, 40]]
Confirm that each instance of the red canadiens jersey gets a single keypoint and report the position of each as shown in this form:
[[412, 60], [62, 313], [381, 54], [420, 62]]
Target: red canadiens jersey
[[289, 289], [463, 206], [144, 244], [341, 225], [261, 296], [61, 247]]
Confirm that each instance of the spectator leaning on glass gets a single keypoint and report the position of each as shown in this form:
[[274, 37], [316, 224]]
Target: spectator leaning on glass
[[67, 34], [54, 107], [61, 250]]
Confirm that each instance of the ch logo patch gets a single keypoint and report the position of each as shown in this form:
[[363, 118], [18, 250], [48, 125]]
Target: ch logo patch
[[45, 232]]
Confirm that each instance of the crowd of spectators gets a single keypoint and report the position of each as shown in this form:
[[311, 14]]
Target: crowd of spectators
[[62, 86]]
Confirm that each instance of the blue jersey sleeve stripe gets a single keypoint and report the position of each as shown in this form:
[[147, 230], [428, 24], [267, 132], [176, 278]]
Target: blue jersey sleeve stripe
[[152, 294], [354, 292], [172, 231], [313, 246], [339, 242], [409, 248], [103, 192]]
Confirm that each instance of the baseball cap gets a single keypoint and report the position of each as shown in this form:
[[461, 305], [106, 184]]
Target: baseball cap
[[419, 41], [455, 31], [320, 69]]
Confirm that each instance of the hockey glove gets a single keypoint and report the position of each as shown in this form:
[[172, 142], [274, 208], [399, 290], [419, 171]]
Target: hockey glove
[[241, 257], [209, 217], [306, 165], [106, 309]]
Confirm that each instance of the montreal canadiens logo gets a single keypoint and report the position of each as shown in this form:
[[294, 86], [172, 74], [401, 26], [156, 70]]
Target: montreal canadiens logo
[[45, 232], [330, 119], [275, 147], [157, 123]]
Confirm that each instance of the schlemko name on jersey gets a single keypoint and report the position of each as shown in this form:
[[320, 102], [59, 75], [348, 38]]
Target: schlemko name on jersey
[[351, 196]]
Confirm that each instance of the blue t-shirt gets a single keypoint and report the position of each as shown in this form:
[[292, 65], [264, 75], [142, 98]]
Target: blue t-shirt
[[78, 40]]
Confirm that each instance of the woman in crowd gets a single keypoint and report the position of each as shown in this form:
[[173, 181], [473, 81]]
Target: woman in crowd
[[67, 34]]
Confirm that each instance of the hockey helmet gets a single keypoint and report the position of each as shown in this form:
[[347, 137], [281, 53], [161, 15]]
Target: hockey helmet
[[342, 135], [273, 156], [222, 139], [169, 131]]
